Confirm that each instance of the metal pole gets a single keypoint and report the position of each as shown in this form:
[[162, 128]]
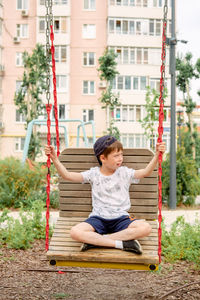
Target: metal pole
[[172, 199]]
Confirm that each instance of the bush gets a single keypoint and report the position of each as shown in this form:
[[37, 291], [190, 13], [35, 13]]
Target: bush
[[187, 180], [20, 233], [21, 186], [182, 241]]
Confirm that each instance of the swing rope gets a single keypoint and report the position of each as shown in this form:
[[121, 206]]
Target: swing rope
[[50, 52], [160, 127]]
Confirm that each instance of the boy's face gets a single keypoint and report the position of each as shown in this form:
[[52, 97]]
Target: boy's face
[[113, 160]]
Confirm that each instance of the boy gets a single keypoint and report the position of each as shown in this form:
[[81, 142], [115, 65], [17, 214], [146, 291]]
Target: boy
[[109, 224]]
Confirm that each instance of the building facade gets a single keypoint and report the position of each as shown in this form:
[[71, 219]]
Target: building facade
[[82, 31]]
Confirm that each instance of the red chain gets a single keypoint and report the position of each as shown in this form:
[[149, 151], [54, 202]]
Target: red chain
[[160, 128], [48, 109], [54, 89]]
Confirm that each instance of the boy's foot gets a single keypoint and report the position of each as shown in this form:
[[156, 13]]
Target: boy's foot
[[85, 247], [132, 246]]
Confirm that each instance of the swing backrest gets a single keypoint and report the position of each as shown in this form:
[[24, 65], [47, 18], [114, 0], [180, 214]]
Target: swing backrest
[[75, 198]]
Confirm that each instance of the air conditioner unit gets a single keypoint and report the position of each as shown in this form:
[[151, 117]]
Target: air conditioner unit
[[102, 84], [25, 13], [16, 39]]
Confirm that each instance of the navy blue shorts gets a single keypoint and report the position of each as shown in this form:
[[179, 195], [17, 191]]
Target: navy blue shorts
[[104, 226]]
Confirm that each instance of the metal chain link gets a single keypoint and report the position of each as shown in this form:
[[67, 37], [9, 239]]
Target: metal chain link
[[160, 127], [49, 22]]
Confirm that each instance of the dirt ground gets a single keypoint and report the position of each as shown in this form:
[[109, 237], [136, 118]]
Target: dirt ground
[[28, 275]]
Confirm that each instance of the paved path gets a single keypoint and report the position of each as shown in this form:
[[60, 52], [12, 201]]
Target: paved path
[[168, 215]]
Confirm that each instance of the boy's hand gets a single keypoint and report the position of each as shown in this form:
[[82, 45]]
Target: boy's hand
[[49, 150], [160, 147]]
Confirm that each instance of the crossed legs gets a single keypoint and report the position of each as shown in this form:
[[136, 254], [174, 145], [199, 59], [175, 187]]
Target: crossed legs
[[85, 233]]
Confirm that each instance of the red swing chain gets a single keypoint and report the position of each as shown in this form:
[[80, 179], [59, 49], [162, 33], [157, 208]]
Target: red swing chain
[[50, 50], [160, 127]]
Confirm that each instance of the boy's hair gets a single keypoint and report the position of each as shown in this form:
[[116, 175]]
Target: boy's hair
[[114, 146], [105, 145]]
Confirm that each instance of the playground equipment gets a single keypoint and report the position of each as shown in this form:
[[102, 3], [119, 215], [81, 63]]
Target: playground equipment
[[44, 122]]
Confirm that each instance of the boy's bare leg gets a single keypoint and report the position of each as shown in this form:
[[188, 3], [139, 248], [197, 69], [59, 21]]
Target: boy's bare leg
[[84, 232], [137, 229]]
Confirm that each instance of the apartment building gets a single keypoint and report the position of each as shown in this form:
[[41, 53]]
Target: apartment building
[[82, 31]]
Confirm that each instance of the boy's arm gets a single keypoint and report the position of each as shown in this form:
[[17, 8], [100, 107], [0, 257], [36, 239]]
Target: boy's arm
[[69, 176], [160, 147]]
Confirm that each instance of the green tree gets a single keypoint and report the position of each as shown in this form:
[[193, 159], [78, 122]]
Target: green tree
[[109, 100], [187, 182], [186, 72], [152, 113], [28, 98]]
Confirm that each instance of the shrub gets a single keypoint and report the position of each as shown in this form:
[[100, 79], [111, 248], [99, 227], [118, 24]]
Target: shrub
[[187, 182], [21, 186], [20, 233], [182, 241]]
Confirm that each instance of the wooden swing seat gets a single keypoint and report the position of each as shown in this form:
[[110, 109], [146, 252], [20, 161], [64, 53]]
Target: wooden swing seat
[[75, 206]]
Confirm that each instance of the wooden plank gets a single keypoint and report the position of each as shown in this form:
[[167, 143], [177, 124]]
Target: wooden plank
[[135, 202], [68, 186], [93, 257], [92, 159], [87, 165], [152, 179], [87, 194], [90, 151], [64, 221], [87, 208], [147, 216]]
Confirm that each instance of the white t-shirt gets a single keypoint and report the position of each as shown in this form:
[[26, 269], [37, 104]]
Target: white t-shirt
[[110, 194]]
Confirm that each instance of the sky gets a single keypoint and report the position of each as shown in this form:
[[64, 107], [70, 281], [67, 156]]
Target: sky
[[188, 28]]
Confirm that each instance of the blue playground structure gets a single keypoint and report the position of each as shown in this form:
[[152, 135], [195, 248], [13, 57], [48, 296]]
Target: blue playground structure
[[44, 123]]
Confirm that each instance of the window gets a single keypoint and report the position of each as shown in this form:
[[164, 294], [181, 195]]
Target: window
[[143, 82], [42, 25], [19, 117], [127, 82], [19, 59], [19, 144], [60, 53], [61, 83], [88, 87], [60, 24], [22, 30], [88, 58], [89, 31], [88, 115], [18, 86], [155, 84], [135, 83], [134, 140], [155, 56], [138, 113], [61, 112], [22, 4], [128, 113], [90, 4], [57, 2]]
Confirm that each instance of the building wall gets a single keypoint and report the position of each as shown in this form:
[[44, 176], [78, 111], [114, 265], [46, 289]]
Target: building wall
[[70, 34], [11, 17], [79, 72]]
